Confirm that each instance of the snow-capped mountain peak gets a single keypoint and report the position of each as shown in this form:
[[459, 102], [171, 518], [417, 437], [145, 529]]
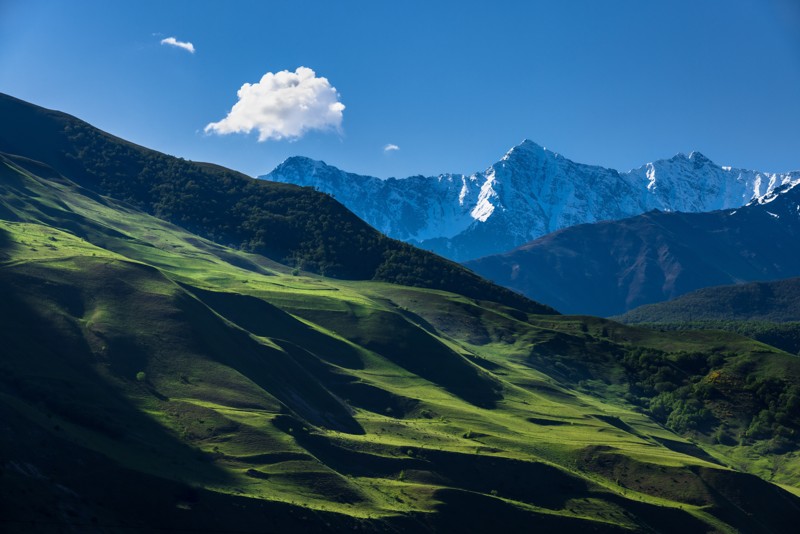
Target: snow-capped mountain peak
[[529, 192], [699, 159], [526, 147]]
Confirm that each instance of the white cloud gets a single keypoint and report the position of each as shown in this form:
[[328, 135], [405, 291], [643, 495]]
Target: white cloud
[[390, 147], [171, 41], [283, 105]]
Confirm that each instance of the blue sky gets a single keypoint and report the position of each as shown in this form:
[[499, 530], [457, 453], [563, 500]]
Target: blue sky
[[452, 84]]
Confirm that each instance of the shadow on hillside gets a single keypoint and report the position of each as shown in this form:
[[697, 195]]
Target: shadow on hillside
[[5, 239], [55, 378], [263, 319], [275, 370], [6, 244]]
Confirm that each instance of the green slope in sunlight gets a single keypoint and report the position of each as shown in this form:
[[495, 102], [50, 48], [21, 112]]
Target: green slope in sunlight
[[296, 226]]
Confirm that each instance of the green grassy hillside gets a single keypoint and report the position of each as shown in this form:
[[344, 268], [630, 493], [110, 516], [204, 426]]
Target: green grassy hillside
[[153, 379], [293, 225]]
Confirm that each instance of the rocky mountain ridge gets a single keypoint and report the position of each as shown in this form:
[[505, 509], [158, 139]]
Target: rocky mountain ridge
[[530, 192], [612, 267]]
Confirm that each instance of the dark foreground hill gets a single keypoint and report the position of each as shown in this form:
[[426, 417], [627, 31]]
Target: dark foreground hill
[[611, 267], [155, 380]]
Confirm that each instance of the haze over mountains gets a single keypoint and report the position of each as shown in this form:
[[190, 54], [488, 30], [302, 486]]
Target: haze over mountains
[[530, 192]]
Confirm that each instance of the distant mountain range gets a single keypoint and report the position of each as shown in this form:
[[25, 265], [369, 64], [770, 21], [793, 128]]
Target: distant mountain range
[[611, 267], [530, 192]]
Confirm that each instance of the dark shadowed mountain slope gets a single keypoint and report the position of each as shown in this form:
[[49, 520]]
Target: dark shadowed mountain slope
[[609, 268], [290, 224]]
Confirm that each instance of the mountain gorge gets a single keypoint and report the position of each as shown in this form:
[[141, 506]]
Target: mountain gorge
[[175, 360], [530, 192]]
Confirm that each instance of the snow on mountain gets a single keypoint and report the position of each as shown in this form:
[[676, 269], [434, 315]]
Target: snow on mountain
[[694, 183], [530, 192], [611, 267]]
